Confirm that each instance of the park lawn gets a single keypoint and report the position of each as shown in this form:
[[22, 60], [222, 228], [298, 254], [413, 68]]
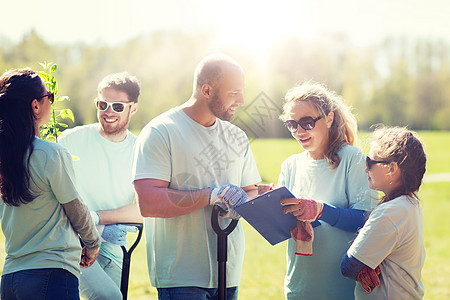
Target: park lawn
[[264, 265]]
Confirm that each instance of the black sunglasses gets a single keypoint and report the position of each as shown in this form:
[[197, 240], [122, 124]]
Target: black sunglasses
[[306, 123], [117, 107], [50, 95], [370, 162]]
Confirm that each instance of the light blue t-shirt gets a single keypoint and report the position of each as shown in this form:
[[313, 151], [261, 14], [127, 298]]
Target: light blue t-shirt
[[319, 276], [103, 172], [182, 251], [39, 234]]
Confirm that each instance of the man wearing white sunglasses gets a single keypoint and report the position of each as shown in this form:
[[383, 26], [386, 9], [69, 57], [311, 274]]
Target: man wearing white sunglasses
[[103, 154]]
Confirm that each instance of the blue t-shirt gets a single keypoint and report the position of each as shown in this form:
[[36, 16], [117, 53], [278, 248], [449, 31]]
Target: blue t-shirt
[[319, 276]]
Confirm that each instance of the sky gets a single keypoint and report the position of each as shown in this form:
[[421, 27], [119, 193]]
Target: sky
[[251, 23]]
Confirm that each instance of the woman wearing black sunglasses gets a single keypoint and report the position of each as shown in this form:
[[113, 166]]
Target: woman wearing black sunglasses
[[40, 213], [331, 189]]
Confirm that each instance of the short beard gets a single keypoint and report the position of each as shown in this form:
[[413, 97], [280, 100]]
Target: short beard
[[216, 107], [121, 128]]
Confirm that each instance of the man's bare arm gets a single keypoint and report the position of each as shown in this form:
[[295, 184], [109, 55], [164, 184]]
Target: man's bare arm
[[125, 214], [155, 199]]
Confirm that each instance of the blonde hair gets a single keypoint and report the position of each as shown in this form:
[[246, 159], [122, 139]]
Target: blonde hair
[[343, 130]]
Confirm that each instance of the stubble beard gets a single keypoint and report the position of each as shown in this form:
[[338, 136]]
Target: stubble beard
[[116, 129], [217, 108]]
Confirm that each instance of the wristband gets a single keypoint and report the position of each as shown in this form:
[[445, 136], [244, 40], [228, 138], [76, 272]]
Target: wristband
[[95, 217], [213, 196]]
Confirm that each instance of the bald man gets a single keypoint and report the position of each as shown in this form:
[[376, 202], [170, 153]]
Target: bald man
[[187, 159]]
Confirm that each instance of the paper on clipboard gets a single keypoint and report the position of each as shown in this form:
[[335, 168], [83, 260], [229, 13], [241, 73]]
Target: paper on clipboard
[[265, 214]]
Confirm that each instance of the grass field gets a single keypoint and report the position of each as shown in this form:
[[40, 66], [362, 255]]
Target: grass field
[[264, 265]]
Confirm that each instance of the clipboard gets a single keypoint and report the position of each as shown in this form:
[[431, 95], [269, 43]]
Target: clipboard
[[265, 214]]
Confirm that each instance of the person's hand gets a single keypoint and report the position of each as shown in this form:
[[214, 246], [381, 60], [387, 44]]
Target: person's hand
[[368, 278], [264, 188], [117, 233], [88, 256], [227, 198], [305, 210]]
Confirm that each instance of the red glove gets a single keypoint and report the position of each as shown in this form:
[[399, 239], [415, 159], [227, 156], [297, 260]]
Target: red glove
[[368, 278], [305, 210], [88, 257], [303, 235]]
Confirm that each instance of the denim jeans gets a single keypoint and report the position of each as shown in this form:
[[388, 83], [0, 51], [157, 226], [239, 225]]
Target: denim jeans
[[194, 293], [40, 284], [101, 281]]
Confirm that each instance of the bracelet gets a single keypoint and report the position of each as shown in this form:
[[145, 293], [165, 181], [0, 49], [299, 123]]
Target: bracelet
[[95, 217]]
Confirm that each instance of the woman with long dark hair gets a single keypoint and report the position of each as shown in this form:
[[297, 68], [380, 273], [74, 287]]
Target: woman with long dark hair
[[41, 214]]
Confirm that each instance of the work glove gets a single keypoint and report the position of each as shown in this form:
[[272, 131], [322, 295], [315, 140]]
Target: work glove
[[116, 233], [88, 256], [228, 197], [368, 278], [305, 210]]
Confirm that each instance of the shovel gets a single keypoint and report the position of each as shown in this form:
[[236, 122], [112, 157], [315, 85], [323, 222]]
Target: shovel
[[222, 235], [127, 260]]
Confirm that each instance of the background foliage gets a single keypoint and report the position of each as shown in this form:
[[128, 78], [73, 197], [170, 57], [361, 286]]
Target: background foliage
[[399, 82]]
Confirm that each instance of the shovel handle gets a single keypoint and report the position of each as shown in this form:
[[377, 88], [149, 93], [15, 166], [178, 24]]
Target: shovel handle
[[215, 222], [222, 235], [127, 260]]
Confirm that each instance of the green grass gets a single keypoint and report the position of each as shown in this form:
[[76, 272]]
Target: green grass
[[265, 266]]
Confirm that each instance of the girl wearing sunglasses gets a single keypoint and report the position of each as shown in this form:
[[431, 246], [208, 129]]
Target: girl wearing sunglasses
[[388, 254], [41, 216], [331, 189]]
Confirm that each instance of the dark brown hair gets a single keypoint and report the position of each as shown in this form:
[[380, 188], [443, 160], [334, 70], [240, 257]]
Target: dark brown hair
[[122, 82], [402, 146], [18, 88]]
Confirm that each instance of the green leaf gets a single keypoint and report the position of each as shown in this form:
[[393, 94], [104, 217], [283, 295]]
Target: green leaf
[[55, 88], [67, 113], [51, 130], [44, 76]]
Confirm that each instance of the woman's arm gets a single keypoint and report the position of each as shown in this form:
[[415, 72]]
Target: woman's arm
[[81, 221], [350, 266], [347, 219], [354, 269]]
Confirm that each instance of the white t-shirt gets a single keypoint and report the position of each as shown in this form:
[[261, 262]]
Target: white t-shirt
[[103, 172], [392, 238], [39, 234], [182, 251]]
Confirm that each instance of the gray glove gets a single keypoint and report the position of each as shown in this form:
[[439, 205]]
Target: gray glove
[[116, 233], [228, 197]]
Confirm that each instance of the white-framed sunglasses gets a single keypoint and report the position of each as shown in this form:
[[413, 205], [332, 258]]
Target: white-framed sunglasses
[[118, 107]]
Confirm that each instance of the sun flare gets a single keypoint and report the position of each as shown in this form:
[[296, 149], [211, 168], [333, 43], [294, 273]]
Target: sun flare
[[256, 25]]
